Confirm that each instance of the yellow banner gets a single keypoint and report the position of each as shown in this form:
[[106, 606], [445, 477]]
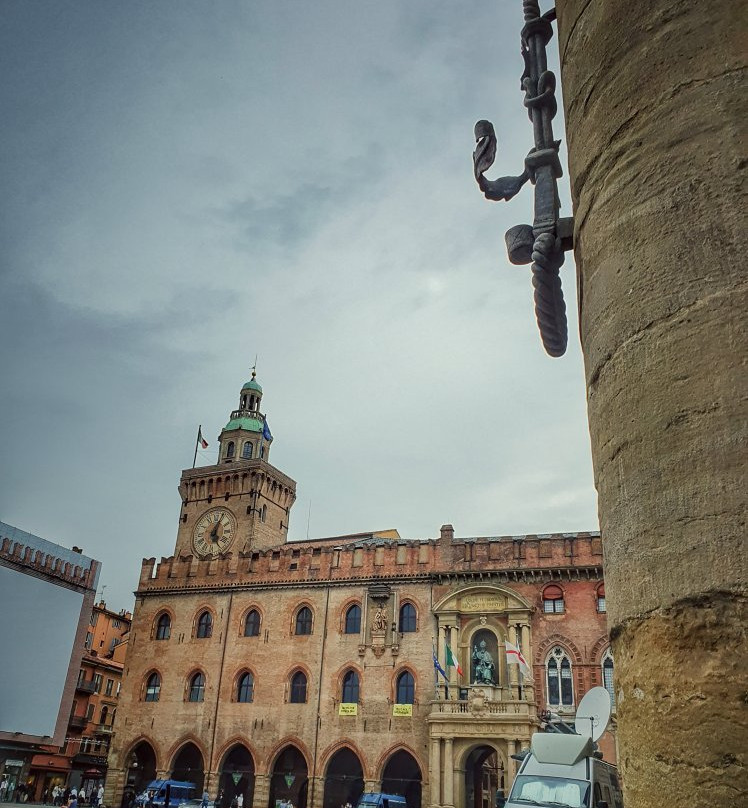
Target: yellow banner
[[347, 709], [402, 709]]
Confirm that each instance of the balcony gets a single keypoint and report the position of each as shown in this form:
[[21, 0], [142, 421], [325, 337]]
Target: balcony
[[78, 722], [104, 729], [85, 685]]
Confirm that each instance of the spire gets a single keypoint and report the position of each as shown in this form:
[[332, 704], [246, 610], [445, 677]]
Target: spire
[[246, 436]]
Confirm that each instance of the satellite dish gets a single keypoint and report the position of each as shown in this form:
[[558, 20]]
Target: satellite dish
[[593, 713]]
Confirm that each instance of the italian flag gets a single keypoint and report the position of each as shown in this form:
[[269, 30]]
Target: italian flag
[[452, 660], [201, 440]]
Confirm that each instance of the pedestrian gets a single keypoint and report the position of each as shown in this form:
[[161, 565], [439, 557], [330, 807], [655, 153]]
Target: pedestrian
[[235, 802], [82, 796], [240, 801], [100, 796], [206, 799]]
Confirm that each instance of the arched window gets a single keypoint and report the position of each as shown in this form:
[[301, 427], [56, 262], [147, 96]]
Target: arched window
[[252, 624], [601, 598], [163, 627], [247, 450], [407, 618], [196, 691], [353, 620], [244, 402], [245, 691], [553, 600], [104, 713], [406, 688], [350, 688], [204, 625], [304, 620], [230, 449], [608, 677], [153, 687], [558, 676], [298, 688], [263, 513]]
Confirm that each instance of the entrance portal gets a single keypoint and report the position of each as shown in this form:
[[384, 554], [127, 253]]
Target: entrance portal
[[188, 765], [141, 770], [237, 775], [344, 779], [402, 775], [484, 778], [289, 782]]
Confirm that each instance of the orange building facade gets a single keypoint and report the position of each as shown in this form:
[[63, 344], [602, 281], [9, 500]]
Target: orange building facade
[[304, 672]]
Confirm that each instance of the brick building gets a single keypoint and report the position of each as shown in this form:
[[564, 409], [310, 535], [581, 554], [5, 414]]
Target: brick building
[[304, 671]]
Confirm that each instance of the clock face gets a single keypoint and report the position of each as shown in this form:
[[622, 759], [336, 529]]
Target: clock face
[[214, 532]]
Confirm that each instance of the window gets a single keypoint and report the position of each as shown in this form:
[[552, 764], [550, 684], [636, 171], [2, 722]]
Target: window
[[230, 449], [115, 623], [560, 687], [353, 620], [304, 620], [608, 677], [245, 691], [196, 690], [252, 624], [407, 618], [163, 627], [97, 680], [601, 598], [89, 640], [94, 618], [104, 713], [113, 644], [90, 712], [406, 688], [153, 687], [263, 513], [81, 676], [350, 688], [109, 687], [298, 688], [553, 600], [204, 625], [247, 450]]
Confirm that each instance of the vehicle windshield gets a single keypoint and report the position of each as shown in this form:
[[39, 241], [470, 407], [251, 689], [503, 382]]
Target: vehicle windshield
[[534, 790]]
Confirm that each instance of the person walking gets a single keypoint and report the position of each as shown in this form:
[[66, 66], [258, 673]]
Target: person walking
[[206, 799], [100, 796]]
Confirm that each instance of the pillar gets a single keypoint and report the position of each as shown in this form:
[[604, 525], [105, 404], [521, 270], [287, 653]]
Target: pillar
[[261, 795], [448, 766], [513, 670], [654, 120], [317, 784], [529, 683], [435, 774], [453, 676], [372, 786], [511, 766], [114, 786]]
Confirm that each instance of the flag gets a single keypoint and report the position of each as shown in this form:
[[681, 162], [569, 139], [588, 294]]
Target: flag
[[452, 660], [437, 667], [266, 431], [514, 657], [200, 439]]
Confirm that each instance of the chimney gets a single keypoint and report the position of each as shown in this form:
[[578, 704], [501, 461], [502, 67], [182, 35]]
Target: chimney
[[446, 533]]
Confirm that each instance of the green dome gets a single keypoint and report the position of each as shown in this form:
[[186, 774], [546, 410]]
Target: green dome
[[250, 424], [252, 385]]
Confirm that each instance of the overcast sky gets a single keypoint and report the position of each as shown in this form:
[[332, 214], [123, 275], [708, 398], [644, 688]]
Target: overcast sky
[[188, 184]]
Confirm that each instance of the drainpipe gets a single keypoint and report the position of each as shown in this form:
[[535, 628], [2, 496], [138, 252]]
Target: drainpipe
[[319, 700], [218, 691]]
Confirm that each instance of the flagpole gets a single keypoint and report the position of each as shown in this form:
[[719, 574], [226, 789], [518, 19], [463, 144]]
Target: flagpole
[[197, 440]]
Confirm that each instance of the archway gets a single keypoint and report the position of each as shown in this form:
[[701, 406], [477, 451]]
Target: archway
[[402, 775], [344, 779], [189, 766], [141, 770], [289, 783], [237, 775], [484, 777]]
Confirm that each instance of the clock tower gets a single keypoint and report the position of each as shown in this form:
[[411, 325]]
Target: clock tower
[[241, 503]]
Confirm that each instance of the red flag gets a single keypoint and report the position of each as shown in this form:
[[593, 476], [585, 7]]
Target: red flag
[[201, 440]]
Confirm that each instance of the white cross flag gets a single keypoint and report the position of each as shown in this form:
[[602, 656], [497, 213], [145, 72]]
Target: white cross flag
[[514, 657]]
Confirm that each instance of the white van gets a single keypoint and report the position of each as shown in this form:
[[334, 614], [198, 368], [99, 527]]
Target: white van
[[562, 770]]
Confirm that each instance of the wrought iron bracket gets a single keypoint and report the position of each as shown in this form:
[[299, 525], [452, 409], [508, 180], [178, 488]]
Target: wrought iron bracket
[[543, 243]]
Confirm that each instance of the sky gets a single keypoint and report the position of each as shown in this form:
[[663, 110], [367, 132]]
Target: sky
[[189, 185]]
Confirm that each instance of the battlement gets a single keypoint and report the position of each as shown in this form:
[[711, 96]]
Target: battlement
[[376, 555], [37, 556]]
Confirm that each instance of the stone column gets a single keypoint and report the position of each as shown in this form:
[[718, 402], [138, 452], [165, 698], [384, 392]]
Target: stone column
[[655, 107], [511, 766], [453, 677], [512, 669], [113, 787], [319, 791], [435, 774], [529, 682], [372, 786], [261, 794], [448, 766]]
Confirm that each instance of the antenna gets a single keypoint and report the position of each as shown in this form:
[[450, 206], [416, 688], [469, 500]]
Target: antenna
[[308, 519], [593, 713]]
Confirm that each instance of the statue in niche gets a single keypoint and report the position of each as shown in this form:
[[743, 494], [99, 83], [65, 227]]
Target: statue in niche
[[484, 669], [380, 620]]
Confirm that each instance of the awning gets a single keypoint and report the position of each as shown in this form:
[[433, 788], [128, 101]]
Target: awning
[[50, 762], [93, 773]]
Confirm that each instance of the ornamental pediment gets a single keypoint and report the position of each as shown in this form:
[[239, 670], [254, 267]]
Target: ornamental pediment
[[482, 600]]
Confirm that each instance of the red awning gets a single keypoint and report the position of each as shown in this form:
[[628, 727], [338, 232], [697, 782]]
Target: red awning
[[93, 773], [53, 762]]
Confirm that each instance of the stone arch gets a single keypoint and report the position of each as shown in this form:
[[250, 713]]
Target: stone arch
[[289, 774], [512, 600], [401, 772], [599, 649], [324, 757], [188, 763], [557, 639], [288, 740], [397, 673], [484, 765], [140, 763], [237, 760], [343, 778], [336, 680], [175, 748]]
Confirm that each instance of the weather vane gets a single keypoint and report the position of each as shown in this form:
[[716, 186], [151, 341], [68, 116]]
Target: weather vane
[[543, 243]]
